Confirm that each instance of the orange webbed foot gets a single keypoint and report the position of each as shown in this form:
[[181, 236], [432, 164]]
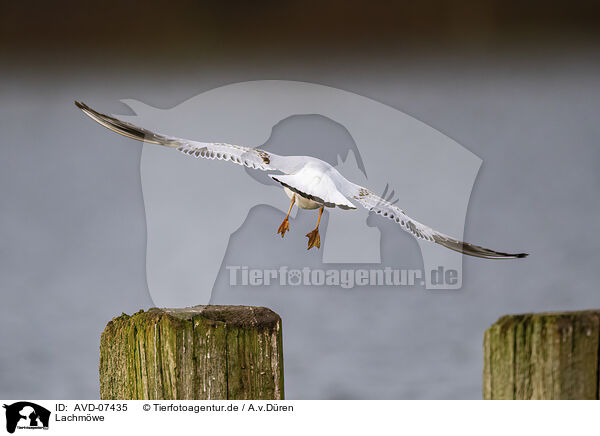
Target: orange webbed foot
[[314, 239], [284, 227]]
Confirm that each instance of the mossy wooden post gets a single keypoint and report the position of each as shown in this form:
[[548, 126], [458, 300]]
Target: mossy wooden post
[[542, 356], [201, 352]]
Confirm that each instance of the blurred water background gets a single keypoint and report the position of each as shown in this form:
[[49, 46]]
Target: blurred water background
[[72, 225]]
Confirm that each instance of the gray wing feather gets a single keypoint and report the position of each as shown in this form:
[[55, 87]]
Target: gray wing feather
[[383, 207], [249, 157]]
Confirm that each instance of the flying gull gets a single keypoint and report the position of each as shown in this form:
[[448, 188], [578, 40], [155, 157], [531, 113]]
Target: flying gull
[[309, 182]]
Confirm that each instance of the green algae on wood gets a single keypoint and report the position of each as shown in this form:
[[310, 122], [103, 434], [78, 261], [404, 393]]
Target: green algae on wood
[[201, 352], [542, 356]]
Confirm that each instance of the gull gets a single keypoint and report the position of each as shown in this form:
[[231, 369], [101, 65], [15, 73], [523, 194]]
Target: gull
[[310, 183]]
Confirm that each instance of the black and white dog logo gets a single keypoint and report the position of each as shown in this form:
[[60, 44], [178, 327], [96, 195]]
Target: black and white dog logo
[[26, 415]]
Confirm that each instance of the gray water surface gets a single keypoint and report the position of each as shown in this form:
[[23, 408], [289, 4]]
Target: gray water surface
[[72, 233]]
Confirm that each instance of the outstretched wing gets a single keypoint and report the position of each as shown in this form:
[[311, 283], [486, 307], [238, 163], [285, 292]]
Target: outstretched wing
[[383, 207], [250, 157]]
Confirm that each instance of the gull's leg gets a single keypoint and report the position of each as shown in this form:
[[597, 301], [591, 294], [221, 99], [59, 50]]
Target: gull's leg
[[285, 226], [314, 240]]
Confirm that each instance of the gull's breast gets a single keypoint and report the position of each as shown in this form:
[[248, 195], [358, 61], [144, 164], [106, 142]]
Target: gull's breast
[[302, 202]]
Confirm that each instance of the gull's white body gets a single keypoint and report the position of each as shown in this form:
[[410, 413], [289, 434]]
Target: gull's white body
[[310, 182], [303, 203], [315, 183]]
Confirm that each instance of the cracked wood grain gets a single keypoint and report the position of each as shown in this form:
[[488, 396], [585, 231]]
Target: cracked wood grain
[[202, 352], [542, 356]]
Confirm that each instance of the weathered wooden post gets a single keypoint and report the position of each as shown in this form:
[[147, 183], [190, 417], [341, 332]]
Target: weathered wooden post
[[542, 356], [201, 352]]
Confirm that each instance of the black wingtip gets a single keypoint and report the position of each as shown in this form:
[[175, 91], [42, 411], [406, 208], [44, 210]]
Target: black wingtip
[[81, 105], [521, 255]]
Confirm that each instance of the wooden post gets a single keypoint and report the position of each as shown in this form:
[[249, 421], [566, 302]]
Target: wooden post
[[201, 352], [542, 356]]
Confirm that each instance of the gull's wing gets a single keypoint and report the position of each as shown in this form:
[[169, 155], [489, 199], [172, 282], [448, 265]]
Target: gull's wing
[[250, 157], [383, 207]]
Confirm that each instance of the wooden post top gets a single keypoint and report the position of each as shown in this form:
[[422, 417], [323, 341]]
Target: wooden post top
[[551, 355], [235, 316], [199, 352]]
